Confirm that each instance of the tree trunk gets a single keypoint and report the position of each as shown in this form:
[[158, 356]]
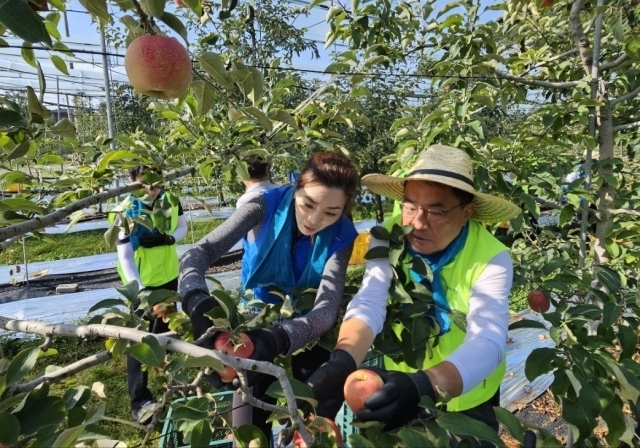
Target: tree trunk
[[220, 195], [379, 210], [607, 193]]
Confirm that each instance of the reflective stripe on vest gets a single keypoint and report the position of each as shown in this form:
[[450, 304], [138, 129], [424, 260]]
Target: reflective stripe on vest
[[458, 278]]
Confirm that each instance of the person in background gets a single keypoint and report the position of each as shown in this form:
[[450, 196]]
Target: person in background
[[294, 237], [259, 179], [472, 273], [150, 257]]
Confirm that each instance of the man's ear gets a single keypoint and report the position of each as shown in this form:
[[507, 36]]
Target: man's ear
[[469, 209]]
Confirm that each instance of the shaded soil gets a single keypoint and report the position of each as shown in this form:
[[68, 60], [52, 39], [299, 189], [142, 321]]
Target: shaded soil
[[106, 278]]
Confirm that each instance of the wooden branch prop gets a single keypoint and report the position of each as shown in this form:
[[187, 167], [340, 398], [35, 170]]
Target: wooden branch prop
[[170, 344], [22, 228], [627, 126], [62, 373], [536, 82], [625, 97]]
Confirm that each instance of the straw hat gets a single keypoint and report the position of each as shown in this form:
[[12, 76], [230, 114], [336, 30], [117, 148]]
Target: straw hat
[[448, 166]]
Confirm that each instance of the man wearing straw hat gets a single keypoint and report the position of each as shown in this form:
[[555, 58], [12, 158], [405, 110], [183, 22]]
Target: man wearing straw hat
[[472, 273]]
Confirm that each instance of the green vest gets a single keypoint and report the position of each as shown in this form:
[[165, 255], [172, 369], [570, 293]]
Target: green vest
[[156, 265], [458, 278]]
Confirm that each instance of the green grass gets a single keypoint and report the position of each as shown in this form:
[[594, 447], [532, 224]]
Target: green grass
[[81, 244]]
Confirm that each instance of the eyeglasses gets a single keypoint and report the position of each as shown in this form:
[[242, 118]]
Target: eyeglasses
[[434, 216]]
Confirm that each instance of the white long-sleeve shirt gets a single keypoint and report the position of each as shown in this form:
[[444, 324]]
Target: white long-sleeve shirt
[[487, 320]]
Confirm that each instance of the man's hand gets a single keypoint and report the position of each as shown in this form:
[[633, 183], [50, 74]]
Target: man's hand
[[267, 344], [327, 383], [150, 240], [396, 404]]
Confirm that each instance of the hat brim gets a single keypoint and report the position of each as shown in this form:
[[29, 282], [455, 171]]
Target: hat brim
[[488, 209]]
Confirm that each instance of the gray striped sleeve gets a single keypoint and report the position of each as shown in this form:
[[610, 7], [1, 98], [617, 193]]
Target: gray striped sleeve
[[306, 329], [209, 249]]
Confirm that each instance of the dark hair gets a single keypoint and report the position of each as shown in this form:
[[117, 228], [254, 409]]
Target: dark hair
[[138, 171], [257, 167], [463, 196], [331, 170]]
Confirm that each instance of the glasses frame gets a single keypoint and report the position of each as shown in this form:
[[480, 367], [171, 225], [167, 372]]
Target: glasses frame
[[433, 216]]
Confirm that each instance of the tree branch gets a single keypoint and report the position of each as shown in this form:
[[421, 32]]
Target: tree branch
[[418, 48], [624, 211], [62, 373], [170, 344], [613, 64], [39, 222], [625, 97], [536, 82], [625, 127], [579, 36]]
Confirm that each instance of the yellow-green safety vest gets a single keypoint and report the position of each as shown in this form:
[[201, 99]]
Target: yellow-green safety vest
[[156, 265], [458, 277]]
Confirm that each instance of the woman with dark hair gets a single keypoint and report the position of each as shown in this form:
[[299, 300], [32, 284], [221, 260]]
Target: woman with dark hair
[[294, 237]]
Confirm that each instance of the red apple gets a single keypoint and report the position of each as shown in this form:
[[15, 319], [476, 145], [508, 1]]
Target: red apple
[[158, 66], [299, 443], [547, 3], [359, 386], [160, 310], [180, 4], [38, 5], [538, 301], [224, 344]]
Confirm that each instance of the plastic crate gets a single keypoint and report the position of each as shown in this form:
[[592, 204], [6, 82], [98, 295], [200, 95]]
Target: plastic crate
[[345, 415], [360, 248], [172, 438]]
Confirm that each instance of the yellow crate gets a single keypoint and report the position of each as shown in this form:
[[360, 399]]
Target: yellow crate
[[360, 247]]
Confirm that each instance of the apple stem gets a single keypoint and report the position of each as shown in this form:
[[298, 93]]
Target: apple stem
[[147, 21]]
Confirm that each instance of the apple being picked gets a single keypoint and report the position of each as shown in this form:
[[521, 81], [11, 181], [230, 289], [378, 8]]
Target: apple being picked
[[359, 386], [538, 301], [299, 443], [224, 344], [158, 66]]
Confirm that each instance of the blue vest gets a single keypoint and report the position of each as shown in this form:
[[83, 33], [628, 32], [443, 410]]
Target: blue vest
[[277, 258]]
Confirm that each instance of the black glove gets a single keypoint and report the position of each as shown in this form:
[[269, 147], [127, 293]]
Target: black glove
[[396, 404], [267, 344], [327, 384], [150, 240]]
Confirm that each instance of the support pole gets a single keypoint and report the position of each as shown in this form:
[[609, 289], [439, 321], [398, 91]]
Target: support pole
[[107, 92], [595, 80]]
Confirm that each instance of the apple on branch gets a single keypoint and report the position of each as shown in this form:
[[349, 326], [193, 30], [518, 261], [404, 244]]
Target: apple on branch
[[298, 442], [158, 66], [538, 301], [224, 344], [359, 386]]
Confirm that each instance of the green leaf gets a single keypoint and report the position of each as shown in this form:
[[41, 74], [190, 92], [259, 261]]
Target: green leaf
[[380, 233], [226, 302], [614, 418], [459, 319], [148, 352], [205, 95], [19, 150], [213, 64], [35, 104], [65, 129], [539, 362], [359, 441], [527, 323], [629, 383], [176, 25], [12, 401], [22, 21], [9, 429], [97, 8], [203, 361], [300, 390], [377, 252], [27, 54], [153, 7], [509, 421], [201, 434], [283, 117], [40, 410], [255, 94], [20, 204], [413, 438], [628, 341], [315, 3], [68, 437], [261, 117], [130, 290], [247, 433], [573, 414], [462, 425], [59, 63], [78, 396], [107, 303], [21, 365], [242, 170], [162, 295], [610, 314], [609, 278], [11, 118]]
